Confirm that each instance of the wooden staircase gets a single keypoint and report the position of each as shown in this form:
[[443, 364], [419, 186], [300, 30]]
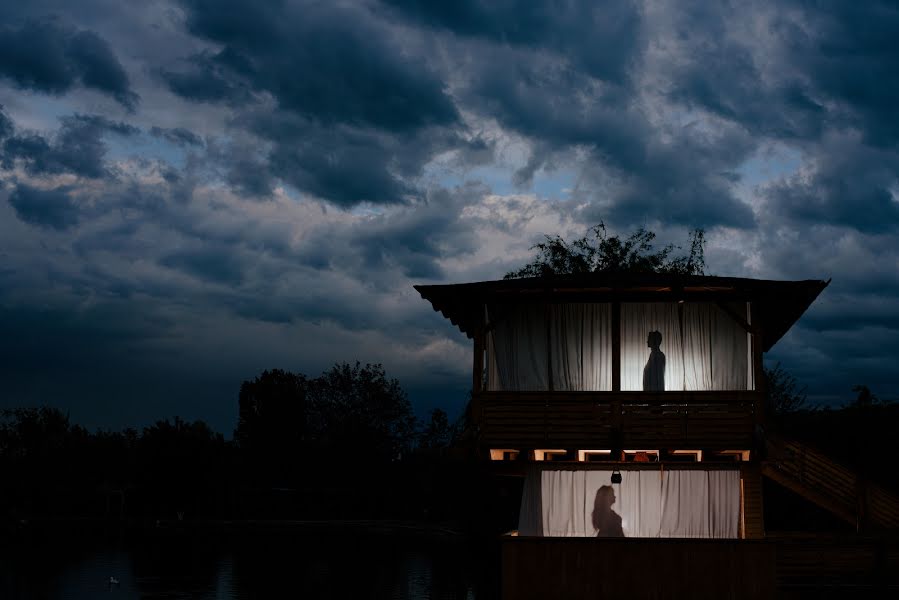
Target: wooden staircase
[[830, 485]]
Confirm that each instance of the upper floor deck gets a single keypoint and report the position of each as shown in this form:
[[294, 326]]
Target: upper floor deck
[[620, 361]]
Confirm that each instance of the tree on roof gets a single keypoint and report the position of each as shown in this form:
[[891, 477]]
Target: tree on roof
[[599, 252]]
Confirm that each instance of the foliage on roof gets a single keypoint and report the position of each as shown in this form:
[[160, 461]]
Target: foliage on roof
[[599, 252]]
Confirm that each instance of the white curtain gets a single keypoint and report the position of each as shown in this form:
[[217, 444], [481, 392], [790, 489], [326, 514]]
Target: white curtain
[[664, 347], [638, 320], [704, 347], [520, 347], [670, 503], [581, 337], [578, 338], [731, 349]]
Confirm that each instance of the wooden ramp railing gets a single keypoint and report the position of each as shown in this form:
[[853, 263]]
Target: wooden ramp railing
[[830, 485]]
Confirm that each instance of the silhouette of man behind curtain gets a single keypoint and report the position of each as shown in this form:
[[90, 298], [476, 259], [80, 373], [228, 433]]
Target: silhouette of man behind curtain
[[654, 371]]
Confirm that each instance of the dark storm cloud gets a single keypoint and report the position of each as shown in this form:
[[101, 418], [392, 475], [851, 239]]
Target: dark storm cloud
[[6, 125], [345, 166], [358, 115], [416, 240], [53, 209], [51, 57], [177, 135], [218, 265], [598, 38], [722, 73], [851, 57], [245, 166], [208, 78], [686, 180], [331, 65], [201, 266], [844, 190], [77, 147], [833, 78]]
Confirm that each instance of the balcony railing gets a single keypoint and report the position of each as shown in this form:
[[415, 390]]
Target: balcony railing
[[597, 420]]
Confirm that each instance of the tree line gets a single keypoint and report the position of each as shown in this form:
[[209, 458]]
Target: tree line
[[345, 444]]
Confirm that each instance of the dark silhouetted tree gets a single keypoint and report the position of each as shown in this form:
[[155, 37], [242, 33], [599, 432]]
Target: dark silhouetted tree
[[866, 398], [179, 463], [783, 393], [272, 425], [357, 411], [437, 432], [272, 410], [598, 252]]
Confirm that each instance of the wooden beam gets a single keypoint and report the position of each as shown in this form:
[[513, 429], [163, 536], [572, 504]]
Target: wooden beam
[[741, 320]]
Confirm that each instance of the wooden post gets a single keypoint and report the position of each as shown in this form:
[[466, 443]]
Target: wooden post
[[477, 376], [861, 504], [616, 346], [759, 374], [753, 509], [548, 315], [477, 371], [617, 430]]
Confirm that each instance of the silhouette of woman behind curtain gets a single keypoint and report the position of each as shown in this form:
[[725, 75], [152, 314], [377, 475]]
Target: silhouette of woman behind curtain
[[654, 371], [605, 520]]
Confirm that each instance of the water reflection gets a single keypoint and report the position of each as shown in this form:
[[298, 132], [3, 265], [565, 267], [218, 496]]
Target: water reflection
[[241, 567]]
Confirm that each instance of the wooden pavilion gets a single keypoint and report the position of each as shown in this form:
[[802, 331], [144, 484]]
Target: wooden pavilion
[[566, 385]]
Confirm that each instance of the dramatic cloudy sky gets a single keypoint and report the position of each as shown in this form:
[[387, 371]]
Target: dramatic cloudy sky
[[192, 191]]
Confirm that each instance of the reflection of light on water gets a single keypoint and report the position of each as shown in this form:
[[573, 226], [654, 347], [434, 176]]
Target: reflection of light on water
[[242, 568], [89, 577], [418, 578], [224, 580]]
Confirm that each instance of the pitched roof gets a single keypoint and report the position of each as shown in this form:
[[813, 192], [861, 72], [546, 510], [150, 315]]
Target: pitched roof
[[777, 305]]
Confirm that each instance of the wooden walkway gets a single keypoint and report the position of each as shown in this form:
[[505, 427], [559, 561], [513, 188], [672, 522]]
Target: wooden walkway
[[830, 485]]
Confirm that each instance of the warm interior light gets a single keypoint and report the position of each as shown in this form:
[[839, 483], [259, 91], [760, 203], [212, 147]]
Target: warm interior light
[[742, 455], [642, 455], [696, 454], [583, 455], [548, 454], [503, 454]]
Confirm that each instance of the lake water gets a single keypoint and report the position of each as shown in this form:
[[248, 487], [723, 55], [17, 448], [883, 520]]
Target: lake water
[[244, 566]]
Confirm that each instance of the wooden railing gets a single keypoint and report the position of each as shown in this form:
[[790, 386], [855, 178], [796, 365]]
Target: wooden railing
[[864, 567], [829, 484], [811, 566], [589, 568], [599, 420]]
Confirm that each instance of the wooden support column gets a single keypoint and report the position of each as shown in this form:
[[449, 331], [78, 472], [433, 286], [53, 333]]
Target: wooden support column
[[753, 508], [477, 376], [547, 316], [616, 346], [617, 425], [759, 375], [862, 504]]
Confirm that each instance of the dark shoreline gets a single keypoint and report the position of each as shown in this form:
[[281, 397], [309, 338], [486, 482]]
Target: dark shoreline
[[393, 527]]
